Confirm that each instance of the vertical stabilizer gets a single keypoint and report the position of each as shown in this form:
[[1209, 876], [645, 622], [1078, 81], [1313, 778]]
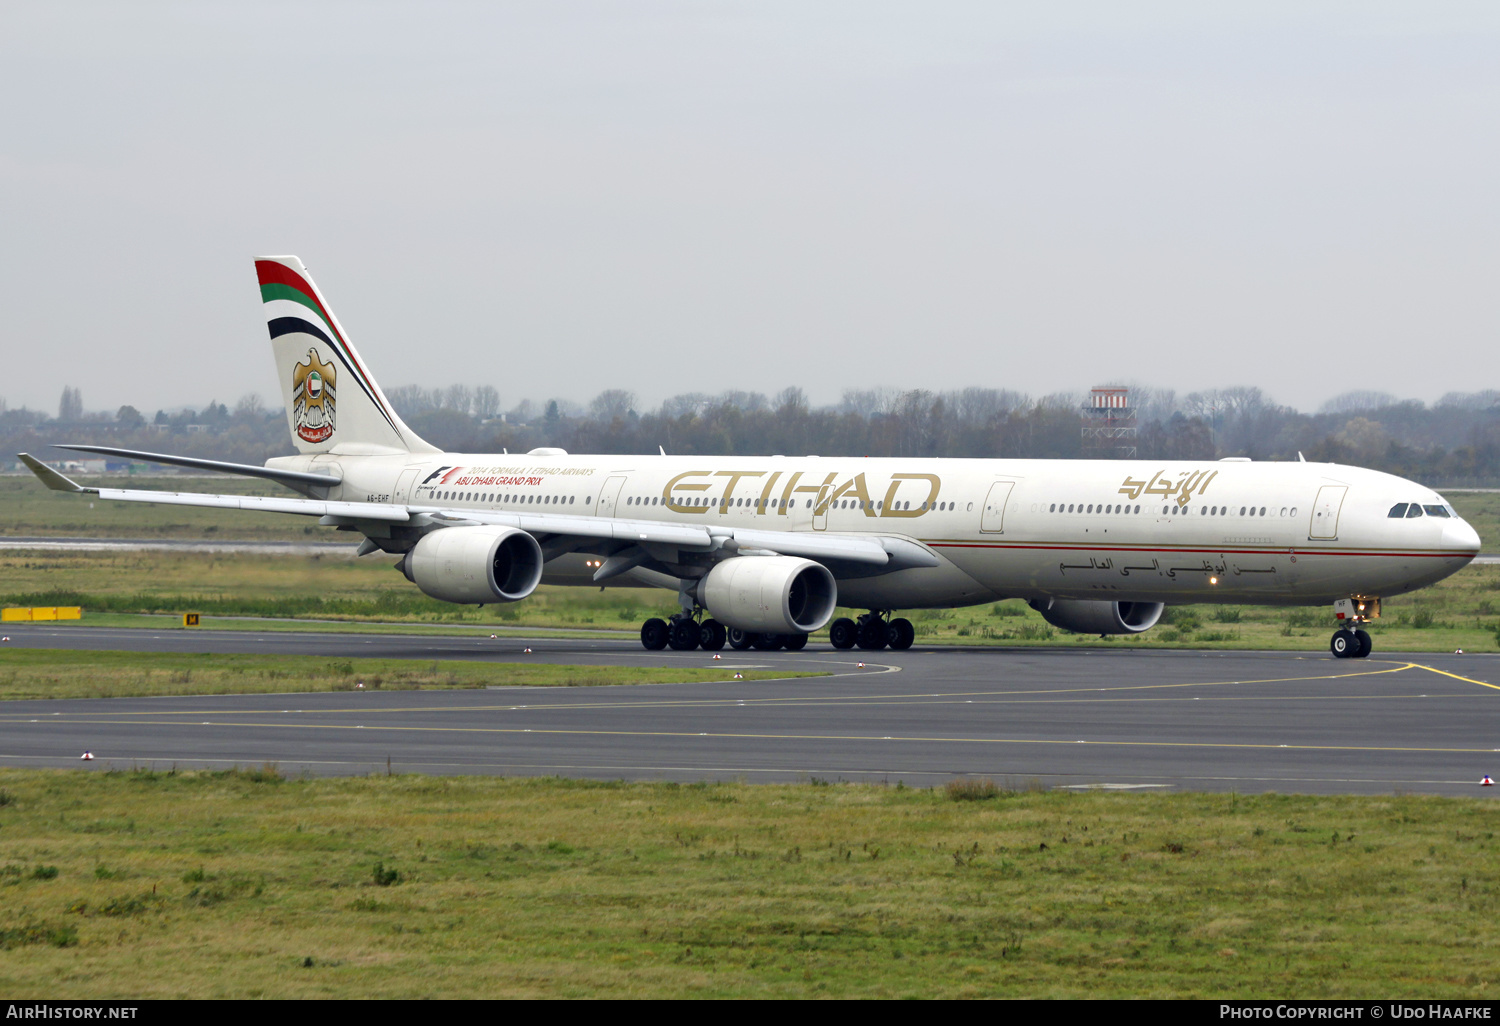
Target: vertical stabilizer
[[332, 401]]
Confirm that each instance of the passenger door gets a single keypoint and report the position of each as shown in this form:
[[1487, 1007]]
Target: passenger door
[[609, 497], [403, 486], [1325, 514], [992, 518]]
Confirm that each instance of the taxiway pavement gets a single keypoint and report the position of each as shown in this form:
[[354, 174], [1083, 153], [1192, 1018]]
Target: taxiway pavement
[[1100, 717]]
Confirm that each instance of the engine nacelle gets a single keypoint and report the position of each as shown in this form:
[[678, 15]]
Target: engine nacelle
[[1084, 616], [475, 564], [769, 594]]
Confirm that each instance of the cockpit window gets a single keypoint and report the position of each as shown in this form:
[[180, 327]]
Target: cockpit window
[[1436, 511], [1414, 511], [1397, 511]]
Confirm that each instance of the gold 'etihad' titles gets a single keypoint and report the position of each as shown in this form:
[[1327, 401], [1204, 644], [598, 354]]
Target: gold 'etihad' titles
[[908, 495], [1184, 488]]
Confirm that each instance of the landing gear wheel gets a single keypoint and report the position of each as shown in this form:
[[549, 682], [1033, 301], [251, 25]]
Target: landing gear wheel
[[842, 633], [900, 634], [794, 642], [712, 635], [683, 636], [740, 640], [768, 642], [1365, 644], [1343, 645], [654, 634], [871, 635]]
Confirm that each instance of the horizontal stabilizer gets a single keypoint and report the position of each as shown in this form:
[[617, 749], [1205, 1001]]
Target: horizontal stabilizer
[[242, 469], [51, 478]]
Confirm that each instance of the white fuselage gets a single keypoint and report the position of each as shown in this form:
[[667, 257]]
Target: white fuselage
[[1136, 530]]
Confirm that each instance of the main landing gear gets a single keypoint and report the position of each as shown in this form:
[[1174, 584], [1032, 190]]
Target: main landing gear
[[1351, 641], [683, 634], [872, 632]]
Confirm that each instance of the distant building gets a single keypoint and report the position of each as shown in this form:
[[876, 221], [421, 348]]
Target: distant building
[[1109, 424]]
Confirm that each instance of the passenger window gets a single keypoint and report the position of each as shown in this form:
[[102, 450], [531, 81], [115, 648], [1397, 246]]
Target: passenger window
[[1436, 511], [1413, 511], [1397, 511]]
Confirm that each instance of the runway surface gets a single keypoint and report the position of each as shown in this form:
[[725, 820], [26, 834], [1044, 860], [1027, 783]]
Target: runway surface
[[1064, 718]]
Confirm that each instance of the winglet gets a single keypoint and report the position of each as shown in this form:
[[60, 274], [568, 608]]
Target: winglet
[[51, 478]]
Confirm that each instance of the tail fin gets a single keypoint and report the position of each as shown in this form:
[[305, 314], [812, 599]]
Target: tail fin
[[332, 401]]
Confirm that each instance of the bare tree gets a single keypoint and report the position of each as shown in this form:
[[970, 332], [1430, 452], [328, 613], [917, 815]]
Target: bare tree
[[250, 407], [460, 398], [790, 400], [686, 403], [70, 407], [411, 400], [486, 402], [869, 401], [1484, 400], [611, 404], [1361, 399]]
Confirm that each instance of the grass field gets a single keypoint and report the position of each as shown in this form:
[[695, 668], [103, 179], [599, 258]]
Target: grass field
[[242, 884], [64, 673]]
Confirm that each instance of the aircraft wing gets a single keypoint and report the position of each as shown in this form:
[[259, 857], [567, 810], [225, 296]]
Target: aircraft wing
[[891, 553]]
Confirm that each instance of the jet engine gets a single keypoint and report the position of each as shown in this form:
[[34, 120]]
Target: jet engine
[[769, 594], [1083, 616], [475, 564]]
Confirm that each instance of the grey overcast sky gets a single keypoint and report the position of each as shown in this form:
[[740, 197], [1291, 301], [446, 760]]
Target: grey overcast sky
[[556, 198]]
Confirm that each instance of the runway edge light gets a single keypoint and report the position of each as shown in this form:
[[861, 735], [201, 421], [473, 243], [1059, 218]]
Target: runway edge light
[[88, 757], [1486, 782]]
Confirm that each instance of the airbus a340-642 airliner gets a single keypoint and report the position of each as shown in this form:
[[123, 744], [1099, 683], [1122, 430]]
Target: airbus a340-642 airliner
[[760, 551]]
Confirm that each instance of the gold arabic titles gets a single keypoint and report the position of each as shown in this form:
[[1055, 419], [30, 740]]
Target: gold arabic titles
[[1181, 490]]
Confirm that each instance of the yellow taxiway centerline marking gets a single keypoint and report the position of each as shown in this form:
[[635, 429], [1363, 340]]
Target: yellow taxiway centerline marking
[[1445, 673]]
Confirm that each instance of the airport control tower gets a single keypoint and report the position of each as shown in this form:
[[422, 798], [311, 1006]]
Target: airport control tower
[[1109, 424]]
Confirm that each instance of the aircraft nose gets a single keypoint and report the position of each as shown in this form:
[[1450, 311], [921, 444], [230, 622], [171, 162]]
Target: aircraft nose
[[1458, 536]]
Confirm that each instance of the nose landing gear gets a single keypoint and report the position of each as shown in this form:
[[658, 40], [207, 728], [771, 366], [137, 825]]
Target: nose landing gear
[[1350, 644], [1351, 641]]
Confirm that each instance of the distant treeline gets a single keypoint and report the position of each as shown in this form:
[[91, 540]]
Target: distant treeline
[[1454, 442]]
